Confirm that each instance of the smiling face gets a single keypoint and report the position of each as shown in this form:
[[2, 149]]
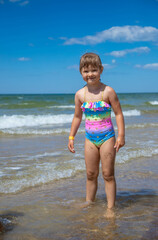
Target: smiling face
[[91, 74]]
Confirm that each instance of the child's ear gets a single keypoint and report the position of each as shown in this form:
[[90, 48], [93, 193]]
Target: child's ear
[[101, 70]]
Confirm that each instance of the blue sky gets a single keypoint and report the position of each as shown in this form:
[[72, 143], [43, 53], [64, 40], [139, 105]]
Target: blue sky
[[41, 43]]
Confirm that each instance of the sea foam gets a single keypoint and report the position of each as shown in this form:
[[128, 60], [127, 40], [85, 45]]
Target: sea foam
[[33, 120], [153, 102]]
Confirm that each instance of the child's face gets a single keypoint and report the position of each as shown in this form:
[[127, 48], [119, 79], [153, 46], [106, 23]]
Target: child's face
[[91, 74]]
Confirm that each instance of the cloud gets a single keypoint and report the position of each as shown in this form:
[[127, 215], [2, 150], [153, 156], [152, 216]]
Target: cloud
[[63, 38], [122, 53], [76, 67], [14, 1], [107, 66], [113, 60], [50, 38], [24, 3], [152, 66], [118, 34], [23, 59]]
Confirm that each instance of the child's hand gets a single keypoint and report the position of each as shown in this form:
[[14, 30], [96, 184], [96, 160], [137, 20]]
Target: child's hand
[[120, 142], [71, 146]]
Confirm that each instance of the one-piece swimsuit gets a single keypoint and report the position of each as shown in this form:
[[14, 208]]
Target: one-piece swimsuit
[[98, 124]]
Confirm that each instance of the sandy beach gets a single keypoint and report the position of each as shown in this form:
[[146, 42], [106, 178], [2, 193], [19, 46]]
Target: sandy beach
[[54, 211]]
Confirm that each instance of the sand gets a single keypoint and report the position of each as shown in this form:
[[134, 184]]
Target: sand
[[53, 211]]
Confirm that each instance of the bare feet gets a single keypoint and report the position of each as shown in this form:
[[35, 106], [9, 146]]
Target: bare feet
[[86, 204], [110, 213]]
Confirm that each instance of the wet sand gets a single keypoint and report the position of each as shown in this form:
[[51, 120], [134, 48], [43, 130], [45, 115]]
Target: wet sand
[[53, 211]]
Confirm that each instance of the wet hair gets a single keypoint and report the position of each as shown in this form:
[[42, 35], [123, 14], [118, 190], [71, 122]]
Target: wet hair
[[90, 59]]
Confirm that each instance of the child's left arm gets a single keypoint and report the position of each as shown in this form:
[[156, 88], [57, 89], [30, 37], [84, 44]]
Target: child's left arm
[[114, 101]]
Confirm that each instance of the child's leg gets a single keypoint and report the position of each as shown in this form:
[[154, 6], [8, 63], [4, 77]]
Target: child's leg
[[107, 154], [92, 160]]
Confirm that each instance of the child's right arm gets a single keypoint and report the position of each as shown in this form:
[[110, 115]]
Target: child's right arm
[[75, 122]]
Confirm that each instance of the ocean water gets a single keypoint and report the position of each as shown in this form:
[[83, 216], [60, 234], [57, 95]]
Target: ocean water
[[34, 130]]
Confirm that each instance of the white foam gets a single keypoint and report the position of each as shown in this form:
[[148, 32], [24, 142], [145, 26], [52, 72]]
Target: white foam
[[126, 155], [145, 125], [38, 173], [27, 157], [22, 131], [153, 102], [33, 120], [13, 168], [62, 106], [129, 113], [42, 173]]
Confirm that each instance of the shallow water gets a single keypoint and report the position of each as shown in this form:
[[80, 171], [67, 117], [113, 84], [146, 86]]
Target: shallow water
[[42, 185], [54, 211]]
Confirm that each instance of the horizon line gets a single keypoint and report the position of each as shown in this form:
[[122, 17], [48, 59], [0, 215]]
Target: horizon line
[[65, 93]]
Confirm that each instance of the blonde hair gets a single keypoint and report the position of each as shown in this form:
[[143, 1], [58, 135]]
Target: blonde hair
[[90, 59]]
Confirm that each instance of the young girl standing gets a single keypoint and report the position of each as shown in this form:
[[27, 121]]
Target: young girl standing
[[96, 99]]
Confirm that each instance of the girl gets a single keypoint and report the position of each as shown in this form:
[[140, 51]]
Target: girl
[[95, 99]]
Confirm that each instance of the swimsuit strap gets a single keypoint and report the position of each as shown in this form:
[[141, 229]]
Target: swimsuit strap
[[84, 94], [102, 95]]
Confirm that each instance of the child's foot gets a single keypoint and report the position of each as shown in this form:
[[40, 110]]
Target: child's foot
[[86, 204], [110, 213]]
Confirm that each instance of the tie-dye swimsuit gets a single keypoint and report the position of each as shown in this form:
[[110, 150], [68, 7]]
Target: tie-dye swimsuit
[[98, 125]]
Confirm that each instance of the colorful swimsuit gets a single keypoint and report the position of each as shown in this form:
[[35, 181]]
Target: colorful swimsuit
[[98, 125]]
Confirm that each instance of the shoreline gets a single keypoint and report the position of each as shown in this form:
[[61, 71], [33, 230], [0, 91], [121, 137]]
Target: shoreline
[[54, 209]]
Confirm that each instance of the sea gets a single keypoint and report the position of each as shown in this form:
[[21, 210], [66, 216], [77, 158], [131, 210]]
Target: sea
[[34, 130]]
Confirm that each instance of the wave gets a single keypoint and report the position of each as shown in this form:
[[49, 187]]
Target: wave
[[15, 121], [130, 113], [153, 102], [123, 157], [145, 125], [59, 131], [40, 174], [63, 106], [37, 156], [22, 131], [35, 173]]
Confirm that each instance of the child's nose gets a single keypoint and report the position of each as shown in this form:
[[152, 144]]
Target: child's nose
[[90, 73]]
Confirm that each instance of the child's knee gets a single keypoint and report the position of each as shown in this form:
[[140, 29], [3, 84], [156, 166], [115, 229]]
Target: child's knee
[[108, 177], [91, 176]]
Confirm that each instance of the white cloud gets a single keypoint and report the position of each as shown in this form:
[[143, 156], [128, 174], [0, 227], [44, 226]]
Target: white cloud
[[50, 38], [63, 38], [24, 3], [152, 66], [118, 34], [23, 59], [122, 53], [107, 66], [76, 67], [14, 1], [113, 60]]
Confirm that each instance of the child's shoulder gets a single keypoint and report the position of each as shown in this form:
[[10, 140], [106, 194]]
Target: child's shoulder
[[108, 89], [80, 94]]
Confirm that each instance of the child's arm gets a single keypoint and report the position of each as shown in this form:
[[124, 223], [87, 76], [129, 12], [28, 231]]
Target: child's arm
[[75, 122], [114, 101]]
